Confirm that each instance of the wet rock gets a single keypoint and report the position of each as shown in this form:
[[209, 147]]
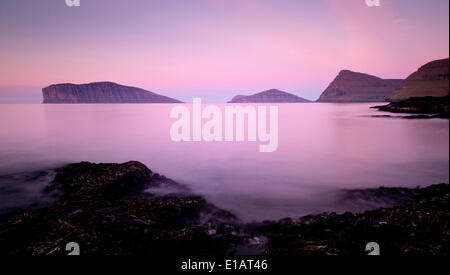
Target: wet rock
[[419, 226], [75, 212], [437, 107], [101, 210], [86, 179]]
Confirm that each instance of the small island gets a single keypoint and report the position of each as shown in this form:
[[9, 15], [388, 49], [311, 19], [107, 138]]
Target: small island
[[269, 96], [101, 92]]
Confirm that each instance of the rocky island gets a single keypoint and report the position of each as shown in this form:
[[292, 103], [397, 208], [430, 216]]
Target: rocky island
[[269, 96], [426, 107], [103, 207], [351, 86], [101, 92]]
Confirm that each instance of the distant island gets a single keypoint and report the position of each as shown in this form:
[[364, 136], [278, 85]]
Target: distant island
[[269, 96], [351, 86], [424, 92], [101, 92], [431, 79]]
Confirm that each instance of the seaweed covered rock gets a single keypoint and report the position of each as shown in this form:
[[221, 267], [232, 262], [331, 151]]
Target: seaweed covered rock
[[420, 227], [103, 209], [105, 179]]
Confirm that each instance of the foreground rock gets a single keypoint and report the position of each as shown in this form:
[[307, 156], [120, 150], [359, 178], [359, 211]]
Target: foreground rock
[[270, 96], [101, 92], [351, 86], [432, 79], [419, 227], [103, 208], [437, 106]]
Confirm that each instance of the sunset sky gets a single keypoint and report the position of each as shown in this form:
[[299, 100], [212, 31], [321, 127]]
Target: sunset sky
[[213, 49]]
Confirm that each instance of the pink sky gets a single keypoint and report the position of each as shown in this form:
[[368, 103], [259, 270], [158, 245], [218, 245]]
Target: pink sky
[[216, 48]]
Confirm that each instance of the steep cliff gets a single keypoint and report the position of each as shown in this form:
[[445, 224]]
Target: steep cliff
[[101, 92], [270, 96], [350, 86], [432, 79]]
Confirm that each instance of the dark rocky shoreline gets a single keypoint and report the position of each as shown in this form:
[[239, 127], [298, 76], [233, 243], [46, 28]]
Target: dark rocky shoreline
[[104, 209]]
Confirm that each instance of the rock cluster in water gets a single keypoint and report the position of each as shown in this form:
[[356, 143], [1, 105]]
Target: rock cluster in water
[[428, 107]]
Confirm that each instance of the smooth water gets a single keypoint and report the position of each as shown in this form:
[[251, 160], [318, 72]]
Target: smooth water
[[323, 148]]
